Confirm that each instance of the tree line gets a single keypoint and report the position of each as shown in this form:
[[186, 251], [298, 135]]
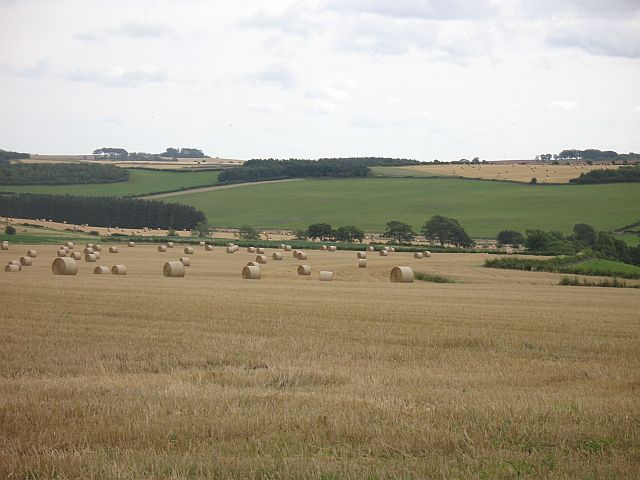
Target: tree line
[[60, 173], [585, 238], [618, 175], [590, 155], [102, 211], [6, 156], [121, 154], [273, 169]]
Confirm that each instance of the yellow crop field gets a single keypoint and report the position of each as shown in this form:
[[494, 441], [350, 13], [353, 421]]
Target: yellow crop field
[[511, 171], [503, 374]]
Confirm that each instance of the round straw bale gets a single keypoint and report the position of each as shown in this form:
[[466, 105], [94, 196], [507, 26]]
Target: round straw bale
[[88, 245], [362, 262], [162, 248], [169, 244], [287, 248], [173, 269], [253, 264], [295, 253], [362, 255], [251, 249], [301, 256], [304, 269], [323, 247], [371, 248], [65, 248], [12, 268], [88, 250], [15, 262], [118, 270], [231, 244], [391, 249], [4, 246], [233, 249], [186, 261], [113, 249], [132, 244], [332, 248], [97, 248], [188, 250], [261, 259], [387, 249], [64, 266], [209, 248], [202, 244], [277, 256], [76, 255], [426, 253], [90, 258], [283, 246], [260, 251], [100, 270], [384, 253], [26, 261], [326, 276], [32, 253], [418, 255], [251, 273], [401, 275], [62, 252]]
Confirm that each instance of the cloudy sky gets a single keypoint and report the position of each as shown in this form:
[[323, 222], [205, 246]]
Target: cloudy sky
[[422, 79]]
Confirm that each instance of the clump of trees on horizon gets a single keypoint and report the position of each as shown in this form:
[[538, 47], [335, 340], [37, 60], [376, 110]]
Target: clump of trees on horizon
[[121, 154], [618, 175], [6, 156]]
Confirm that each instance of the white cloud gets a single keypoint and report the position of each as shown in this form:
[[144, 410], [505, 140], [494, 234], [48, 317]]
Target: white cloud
[[267, 108], [563, 104], [38, 70], [130, 29], [118, 76], [273, 75], [600, 37]]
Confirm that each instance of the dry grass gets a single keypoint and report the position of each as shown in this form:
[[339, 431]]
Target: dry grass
[[500, 375], [514, 173]]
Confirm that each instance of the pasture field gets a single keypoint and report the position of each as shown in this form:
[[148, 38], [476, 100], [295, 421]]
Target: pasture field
[[606, 267], [483, 208], [509, 171], [140, 182], [502, 374], [165, 164]]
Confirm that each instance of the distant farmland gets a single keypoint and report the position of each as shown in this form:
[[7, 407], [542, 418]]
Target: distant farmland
[[483, 207], [140, 182]]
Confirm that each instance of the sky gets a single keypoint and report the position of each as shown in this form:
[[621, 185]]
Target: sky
[[422, 79]]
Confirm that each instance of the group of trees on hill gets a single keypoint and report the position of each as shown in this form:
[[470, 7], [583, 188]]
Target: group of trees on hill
[[60, 173], [584, 238], [590, 155], [272, 169], [102, 211], [618, 175], [121, 154], [439, 229], [6, 156]]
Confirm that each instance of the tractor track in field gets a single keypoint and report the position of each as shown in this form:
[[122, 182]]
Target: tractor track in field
[[189, 191]]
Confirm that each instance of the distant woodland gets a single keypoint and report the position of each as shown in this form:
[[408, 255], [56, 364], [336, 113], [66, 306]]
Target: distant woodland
[[59, 173], [272, 169], [103, 211]]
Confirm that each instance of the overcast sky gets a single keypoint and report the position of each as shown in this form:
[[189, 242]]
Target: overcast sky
[[422, 79]]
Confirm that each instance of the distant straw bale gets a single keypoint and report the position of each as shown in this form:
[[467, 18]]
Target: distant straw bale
[[173, 269], [64, 266], [401, 275]]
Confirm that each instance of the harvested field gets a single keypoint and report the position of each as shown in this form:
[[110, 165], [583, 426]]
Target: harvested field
[[508, 171], [502, 374]]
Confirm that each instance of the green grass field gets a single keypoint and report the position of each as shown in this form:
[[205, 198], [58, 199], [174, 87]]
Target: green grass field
[[483, 207], [631, 239], [606, 267], [140, 182], [397, 172]]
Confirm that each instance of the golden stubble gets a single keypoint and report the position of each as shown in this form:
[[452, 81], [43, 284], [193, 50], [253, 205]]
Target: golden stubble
[[503, 374]]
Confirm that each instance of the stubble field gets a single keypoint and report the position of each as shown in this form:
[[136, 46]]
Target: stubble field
[[503, 374]]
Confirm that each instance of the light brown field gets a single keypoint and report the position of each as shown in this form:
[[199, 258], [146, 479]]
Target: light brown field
[[501, 375], [511, 172], [166, 164]]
